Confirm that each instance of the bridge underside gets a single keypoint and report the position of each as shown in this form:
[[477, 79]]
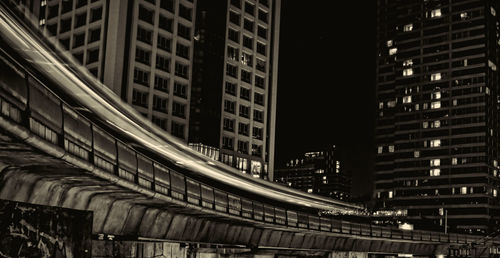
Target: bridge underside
[[27, 175]]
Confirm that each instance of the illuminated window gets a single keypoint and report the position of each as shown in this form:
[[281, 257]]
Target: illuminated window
[[436, 95], [406, 99], [495, 192], [391, 148], [416, 154], [393, 51], [436, 143], [435, 172], [454, 161], [454, 102], [390, 194], [495, 163], [437, 124], [464, 15], [463, 190], [425, 124], [407, 72], [492, 65], [417, 106], [380, 105], [436, 13], [436, 104], [435, 162], [408, 27], [435, 76], [310, 190], [389, 43], [492, 10], [380, 149], [42, 22], [408, 62], [391, 103]]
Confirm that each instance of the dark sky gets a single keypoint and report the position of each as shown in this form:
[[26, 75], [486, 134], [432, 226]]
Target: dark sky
[[326, 83]]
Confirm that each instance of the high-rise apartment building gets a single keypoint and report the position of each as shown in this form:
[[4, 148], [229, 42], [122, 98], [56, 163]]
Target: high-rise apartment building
[[438, 100], [233, 102], [319, 172], [141, 49]]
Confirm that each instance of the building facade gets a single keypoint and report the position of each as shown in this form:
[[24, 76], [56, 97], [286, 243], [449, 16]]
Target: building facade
[[319, 173], [437, 112], [233, 101], [141, 49]]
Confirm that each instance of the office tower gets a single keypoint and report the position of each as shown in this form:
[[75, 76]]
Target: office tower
[[233, 102], [437, 112], [141, 49], [318, 172]]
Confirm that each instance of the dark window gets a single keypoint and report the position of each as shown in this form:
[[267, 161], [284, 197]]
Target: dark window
[[258, 98], [261, 65], [146, 14], [248, 42], [52, 28], [185, 12], [178, 130], [229, 106], [95, 14], [79, 57], [141, 77], [94, 71], [159, 103], [180, 90], [243, 129], [81, 3], [166, 23], [144, 35], [95, 35], [81, 19], [244, 93], [227, 143], [234, 18], [262, 32], [184, 31], [228, 124], [65, 25], [178, 110], [231, 88], [67, 6], [65, 43], [182, 51], [162, 63], [244, 111], [258, 116], [259, 82], [151, 1], [261, 48], [78, 40], [243, 147], [246, 76], [167, 5], [262, 16], [248, 25], [53, 11], [164, 43], [139, 98], [181, 70], [233, 53], [236, 3], [161, 83], [264, 3], [256, 150], [92, 56], [160, 122], [257, 133], [249, 8], [232, 70], [234, 35], [143, 56]]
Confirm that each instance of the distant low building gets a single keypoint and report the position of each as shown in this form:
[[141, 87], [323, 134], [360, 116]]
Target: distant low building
[[317, 172]]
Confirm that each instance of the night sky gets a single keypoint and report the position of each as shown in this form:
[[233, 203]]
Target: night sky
[[326, 83]]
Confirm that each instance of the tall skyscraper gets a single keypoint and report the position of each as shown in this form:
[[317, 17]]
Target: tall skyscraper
[[233, 102], [141, 49], [438, 99]]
